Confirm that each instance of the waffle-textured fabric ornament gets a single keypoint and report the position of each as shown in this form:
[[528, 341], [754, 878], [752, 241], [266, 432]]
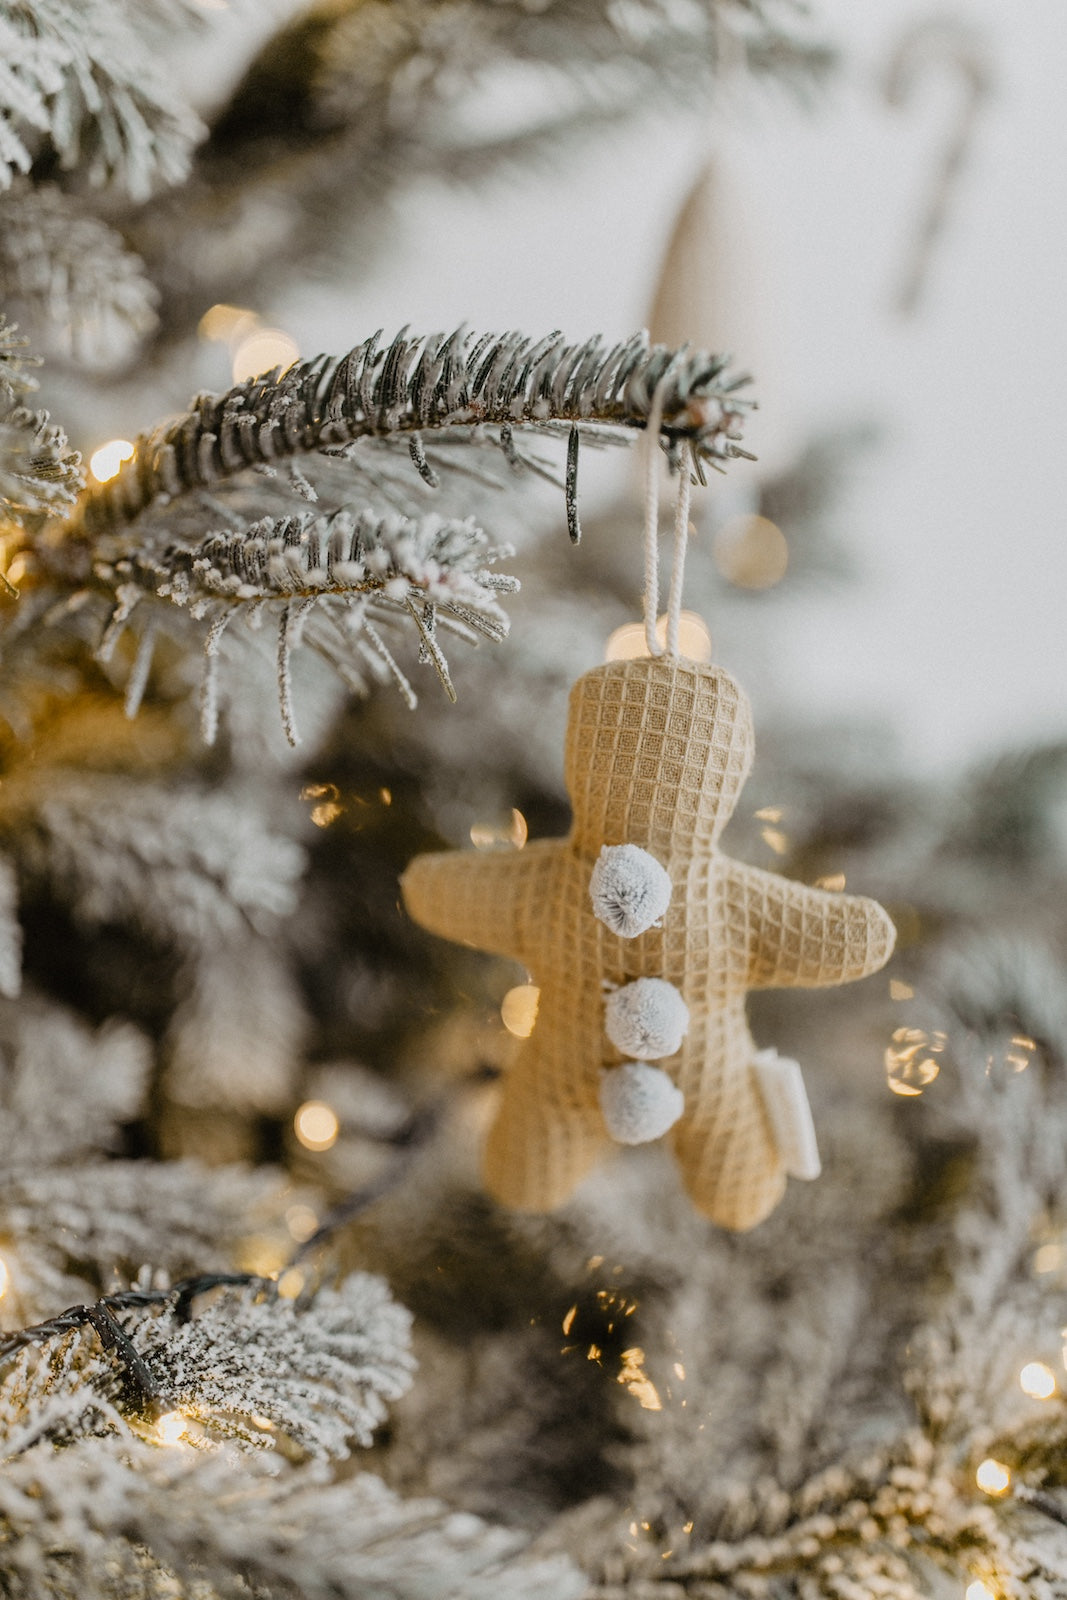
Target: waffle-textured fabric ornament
[[658, 962]]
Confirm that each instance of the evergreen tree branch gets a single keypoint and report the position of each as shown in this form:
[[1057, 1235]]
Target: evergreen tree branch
[[39, 473], [74, 74], [237, 1367], [72, 277], [123, 1516], [482, 387]]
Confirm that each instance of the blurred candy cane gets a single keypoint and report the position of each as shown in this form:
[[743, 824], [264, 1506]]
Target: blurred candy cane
[[950, 45]]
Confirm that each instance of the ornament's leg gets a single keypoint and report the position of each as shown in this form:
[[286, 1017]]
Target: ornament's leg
[[539, 1150], [725, 1143]]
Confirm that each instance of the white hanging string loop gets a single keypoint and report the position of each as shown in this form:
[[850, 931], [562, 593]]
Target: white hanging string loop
[[652, 427], [681, 531], [681, 544]]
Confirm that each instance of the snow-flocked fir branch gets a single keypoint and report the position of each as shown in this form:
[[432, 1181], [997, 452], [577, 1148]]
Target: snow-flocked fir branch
[[76, 1524], [235, 1360], [78, 79], [331, 577], [39, 473], [187, 866], [482, 387], [71, 277]]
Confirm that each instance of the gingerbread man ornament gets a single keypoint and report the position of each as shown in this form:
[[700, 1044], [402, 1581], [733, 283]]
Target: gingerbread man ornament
[[652, 963]]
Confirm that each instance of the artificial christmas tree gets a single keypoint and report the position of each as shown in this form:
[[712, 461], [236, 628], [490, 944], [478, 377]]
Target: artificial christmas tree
[[261, 1328]]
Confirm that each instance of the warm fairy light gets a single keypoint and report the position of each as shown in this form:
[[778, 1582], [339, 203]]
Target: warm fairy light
[[778, 841], [1022, 1048], [385, 796], [628, 642], [509, 834], [568, 1321], [518, 1009], [290, 1283], [316, 1125], [105, 462], [751, 552], [993, 1477], [5, 1278], [263, 1255], [834, 881], [224, 324], [17, 568], [637, 1381], [769, 814], [171, 1427], [1048, 1258], [1037, 1380], [900, 991], [909, 1060], [263, 350], [979, 1591], [301, 1222], [327, 807]]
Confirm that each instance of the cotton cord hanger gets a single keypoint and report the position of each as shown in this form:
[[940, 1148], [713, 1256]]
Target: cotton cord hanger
[[681, 533]]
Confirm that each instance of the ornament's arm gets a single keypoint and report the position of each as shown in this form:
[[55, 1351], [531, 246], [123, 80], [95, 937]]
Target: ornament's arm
[[484, 900], [806, 938]]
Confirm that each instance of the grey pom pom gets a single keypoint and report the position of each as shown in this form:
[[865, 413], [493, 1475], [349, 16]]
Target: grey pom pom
[[629, 889], [639, 1102], [647, 1018]]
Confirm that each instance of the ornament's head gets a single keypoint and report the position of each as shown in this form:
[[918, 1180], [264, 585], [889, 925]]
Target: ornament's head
[[657, 751]]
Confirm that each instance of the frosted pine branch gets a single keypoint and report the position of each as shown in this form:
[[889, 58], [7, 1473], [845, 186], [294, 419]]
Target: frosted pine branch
[[39, 473], [482, 388], [185, 865], [63, 1087], [120, 1516], [83, 291], [330, 579], [75, 74], [236, 1362], [74, 1228]]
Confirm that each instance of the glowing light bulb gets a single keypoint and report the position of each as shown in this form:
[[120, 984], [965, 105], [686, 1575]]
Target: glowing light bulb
[[628, 642], [979, 1591], [301, 1222], [290, 1283], [171, 1427], [5, 1278], [751, 552], [1037, 1380], [263, 350], [105, 462], [1048, 1257], [316, 1125], [518, 1009], [509, 834], [993, 1477], [909, 1066]]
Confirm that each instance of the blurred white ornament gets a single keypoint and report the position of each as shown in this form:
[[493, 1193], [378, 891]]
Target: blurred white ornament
[[719, 290]]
